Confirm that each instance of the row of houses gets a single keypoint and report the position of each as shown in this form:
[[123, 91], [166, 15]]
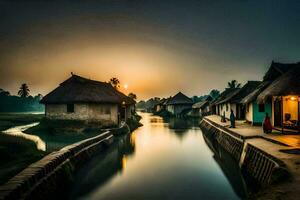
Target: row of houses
[[278, 94], [182, 105]]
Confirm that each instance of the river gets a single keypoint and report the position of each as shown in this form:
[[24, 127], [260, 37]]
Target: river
[[160, 160]]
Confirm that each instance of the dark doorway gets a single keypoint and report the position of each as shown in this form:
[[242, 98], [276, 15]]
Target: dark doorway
[[277, 113], [243, 112], [122, 113], [240, 111]]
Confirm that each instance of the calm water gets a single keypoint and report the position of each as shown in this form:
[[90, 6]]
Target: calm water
[[161, 160]]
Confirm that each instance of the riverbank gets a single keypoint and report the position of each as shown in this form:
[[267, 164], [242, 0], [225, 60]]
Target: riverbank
[[261, 156], [16, 153], [8, 120], [21, 146]]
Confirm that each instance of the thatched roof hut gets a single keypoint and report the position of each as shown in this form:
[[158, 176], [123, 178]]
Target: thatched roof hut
[[287, 84], [77, 89], [180, 98]]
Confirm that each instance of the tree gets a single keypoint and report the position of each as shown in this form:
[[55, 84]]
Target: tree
[[38, 97], [115, 82], [132, 95], [214, 93], [233, 84], [4, 93], [24, 90]]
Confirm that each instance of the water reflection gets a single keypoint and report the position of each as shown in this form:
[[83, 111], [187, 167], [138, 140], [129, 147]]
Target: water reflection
[[18, 131], [104, 166], [180, 126], [228, 165], [156, 162]]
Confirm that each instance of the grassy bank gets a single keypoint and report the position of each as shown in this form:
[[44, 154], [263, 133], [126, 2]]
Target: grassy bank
[[60, 133], [16, 153], [8, 120]]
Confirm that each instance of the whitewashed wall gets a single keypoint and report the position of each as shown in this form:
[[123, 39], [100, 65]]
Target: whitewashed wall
[[227, 111], [82, 111], [249, 112]]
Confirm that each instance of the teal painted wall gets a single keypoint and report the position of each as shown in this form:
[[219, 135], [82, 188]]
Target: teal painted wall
[[258, 117]]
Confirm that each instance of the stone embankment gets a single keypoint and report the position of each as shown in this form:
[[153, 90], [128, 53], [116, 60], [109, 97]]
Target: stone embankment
[[51, 175], [263, 167]]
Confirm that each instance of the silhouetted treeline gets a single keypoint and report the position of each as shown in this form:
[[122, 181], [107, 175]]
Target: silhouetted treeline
[[10, 103], [149, 104]]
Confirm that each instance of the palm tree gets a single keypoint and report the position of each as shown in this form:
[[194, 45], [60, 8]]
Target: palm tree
[[115, 82], [233, 84], [24, 90], [132, 95]]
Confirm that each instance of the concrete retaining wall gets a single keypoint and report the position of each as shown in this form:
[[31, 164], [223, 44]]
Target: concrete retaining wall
[[262, 167], [233, 145], [258, 164], [50, 175]]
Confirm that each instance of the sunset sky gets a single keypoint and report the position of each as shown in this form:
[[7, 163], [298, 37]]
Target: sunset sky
[[155, 47]]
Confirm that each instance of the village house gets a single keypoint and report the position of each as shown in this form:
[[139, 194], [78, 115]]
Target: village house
[[79, 98], [179, 103], [220, 105], [233, 100], [202, 108], [256, 111], [284, 93], [160, 105]]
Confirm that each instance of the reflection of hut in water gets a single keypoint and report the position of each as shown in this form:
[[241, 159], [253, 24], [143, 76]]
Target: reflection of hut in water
[[228, 165], [104, 166], [180, 126]]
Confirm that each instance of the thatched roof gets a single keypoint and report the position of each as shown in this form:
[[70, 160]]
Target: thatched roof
[[180, 98], [200, 104], [253, 95], [161, 101], [248, 88], [235, 95], [277, 69], [77, 89], [226, 94], [287, 84], [223, 95], [166, 101]]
